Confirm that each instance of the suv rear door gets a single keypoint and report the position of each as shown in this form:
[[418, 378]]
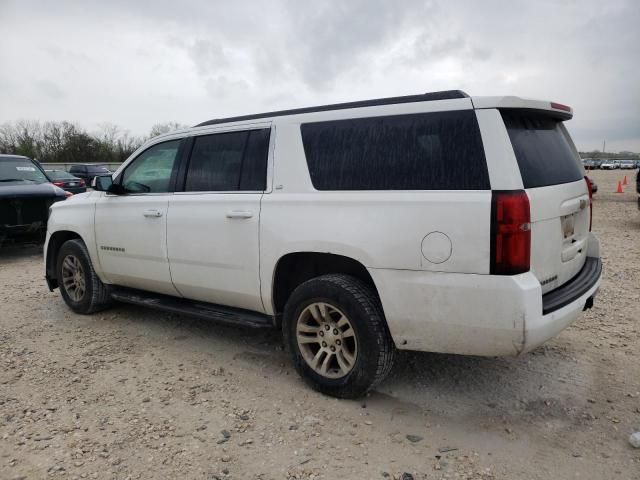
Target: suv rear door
[[553, 177], [213, 223]]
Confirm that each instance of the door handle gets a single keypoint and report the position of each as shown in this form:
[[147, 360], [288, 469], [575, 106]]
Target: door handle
[[239, 214], [152, 212]]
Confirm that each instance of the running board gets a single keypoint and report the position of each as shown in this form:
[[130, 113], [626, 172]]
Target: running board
[[207, 311]]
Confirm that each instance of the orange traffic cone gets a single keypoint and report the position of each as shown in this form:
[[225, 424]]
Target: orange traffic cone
[[624, 182], [619, 190]]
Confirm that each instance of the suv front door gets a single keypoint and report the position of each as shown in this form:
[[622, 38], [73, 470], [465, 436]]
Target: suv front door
[[213, 224], [131, 228]]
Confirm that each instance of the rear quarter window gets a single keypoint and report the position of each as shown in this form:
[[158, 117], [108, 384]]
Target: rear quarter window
[[430, 151], [544, 150]]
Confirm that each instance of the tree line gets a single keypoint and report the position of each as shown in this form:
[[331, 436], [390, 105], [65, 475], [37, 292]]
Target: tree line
[[66, 142], [624, 155]]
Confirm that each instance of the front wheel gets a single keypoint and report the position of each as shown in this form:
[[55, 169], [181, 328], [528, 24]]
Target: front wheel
[[335, 330], [79, 284]]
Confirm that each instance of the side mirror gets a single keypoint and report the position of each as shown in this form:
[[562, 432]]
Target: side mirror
[[101, 184], [105, 184], [116, 189]]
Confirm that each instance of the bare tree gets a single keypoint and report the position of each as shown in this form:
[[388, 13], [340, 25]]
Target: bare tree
[[161, 128]]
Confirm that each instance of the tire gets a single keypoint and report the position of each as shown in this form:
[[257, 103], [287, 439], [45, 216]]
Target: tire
[[364, 358], [95, 295]]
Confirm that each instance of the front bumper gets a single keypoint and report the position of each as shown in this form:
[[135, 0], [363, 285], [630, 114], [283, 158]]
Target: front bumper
[[32, 232]]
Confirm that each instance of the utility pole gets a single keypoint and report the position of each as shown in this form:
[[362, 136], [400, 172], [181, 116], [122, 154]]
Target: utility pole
[[604, 143]]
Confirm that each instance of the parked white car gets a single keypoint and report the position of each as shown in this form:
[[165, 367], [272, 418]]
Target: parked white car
[[627, 164], [433, 222], [609, 165]]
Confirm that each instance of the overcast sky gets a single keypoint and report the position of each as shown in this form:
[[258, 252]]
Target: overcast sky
[[136, 63]]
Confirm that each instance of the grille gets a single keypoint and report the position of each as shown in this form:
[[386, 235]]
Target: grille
[[18, 211]]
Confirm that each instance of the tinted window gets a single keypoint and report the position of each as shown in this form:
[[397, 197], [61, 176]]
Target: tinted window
[[431, 151], [229, 161], [151, 171], [544, 150]]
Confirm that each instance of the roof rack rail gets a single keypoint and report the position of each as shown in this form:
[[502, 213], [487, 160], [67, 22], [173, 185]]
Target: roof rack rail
[[425, 97]]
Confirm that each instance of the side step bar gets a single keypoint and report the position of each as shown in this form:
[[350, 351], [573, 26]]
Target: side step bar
[[207, 311]]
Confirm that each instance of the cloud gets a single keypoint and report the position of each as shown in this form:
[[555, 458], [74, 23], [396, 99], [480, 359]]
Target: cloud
[[50, 89], [134, 63]]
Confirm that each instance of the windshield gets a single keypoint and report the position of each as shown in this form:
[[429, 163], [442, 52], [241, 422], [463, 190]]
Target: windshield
[[20, 170]]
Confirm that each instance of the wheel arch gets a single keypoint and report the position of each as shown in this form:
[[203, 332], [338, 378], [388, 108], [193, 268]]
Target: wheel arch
[[295, 268], [56, 240]]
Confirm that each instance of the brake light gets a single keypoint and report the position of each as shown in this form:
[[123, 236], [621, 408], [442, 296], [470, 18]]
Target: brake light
[[590, 188], [510, 232], [59, 184], [68, 194], [81, 183], [559, 106]]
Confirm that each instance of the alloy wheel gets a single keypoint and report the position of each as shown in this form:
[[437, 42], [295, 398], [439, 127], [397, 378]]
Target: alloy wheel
[[73, 278], [327, 340]]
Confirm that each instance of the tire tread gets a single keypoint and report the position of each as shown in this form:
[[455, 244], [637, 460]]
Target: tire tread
[[100, 293], [367, 299]]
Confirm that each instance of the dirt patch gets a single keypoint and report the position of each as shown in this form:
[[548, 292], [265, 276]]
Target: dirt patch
[[131, 393]]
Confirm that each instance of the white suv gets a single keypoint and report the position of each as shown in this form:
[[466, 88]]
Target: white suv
[[435, 222]]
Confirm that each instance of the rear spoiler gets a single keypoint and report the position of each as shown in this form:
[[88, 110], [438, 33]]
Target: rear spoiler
[[558, 110]]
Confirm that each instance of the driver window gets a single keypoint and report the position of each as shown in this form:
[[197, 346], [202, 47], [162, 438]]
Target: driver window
[[151, 171]]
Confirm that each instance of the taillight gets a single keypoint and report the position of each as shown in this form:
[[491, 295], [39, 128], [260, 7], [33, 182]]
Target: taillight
[[81, 183], [59, 184], [68, 194], [590, 188], [510, 232]]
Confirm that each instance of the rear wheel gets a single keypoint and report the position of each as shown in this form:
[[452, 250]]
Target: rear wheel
[[79, 285], [335, 330]]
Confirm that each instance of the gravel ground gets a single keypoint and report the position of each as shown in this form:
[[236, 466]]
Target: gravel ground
[[132, 393]]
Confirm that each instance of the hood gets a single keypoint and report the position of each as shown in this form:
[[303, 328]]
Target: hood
[[30, 190]]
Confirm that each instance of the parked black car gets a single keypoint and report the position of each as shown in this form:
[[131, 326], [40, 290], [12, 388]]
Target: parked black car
[[638, 187], [88, 171], [66, 181], [25, 197]]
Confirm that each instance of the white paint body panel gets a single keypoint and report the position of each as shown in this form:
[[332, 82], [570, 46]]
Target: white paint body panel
[[120, 223], [214, 258], [450, 304]]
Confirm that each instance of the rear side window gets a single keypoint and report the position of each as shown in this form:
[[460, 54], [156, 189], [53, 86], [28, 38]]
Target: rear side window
[[430, 151], [544, 150], [229, 161]]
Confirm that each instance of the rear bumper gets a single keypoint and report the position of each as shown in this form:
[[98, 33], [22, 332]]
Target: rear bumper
[[478, 314], [574, 289]]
